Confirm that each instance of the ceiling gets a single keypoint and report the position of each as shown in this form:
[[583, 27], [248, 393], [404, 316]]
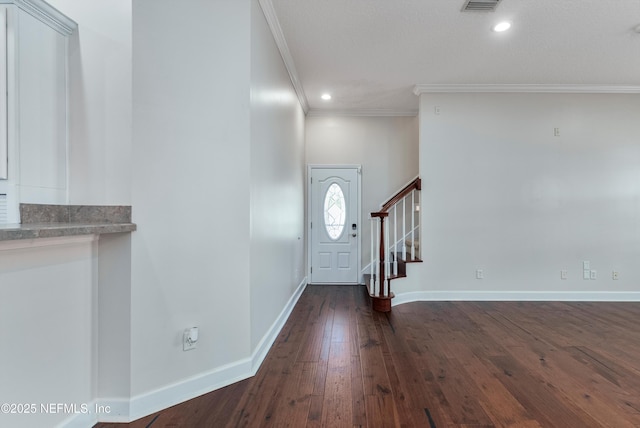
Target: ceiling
[[370, 54]]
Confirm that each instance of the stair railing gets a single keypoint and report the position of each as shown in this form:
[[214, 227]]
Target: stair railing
[[401, 213]]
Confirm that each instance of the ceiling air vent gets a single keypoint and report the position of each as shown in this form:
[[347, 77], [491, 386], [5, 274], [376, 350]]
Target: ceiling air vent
[[480, 5]]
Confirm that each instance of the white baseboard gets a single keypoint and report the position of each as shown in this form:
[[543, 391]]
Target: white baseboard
[[567, 296], [104, 410], [80, 420], [113, 410], [260, 353], [145, 404], [159, 399]]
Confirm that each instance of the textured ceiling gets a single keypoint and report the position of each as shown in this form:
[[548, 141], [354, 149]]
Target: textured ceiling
[[370, 53]]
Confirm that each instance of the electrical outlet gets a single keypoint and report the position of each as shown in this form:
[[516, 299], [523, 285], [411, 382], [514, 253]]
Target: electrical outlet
[[563, 274], [479, 274], [615, 274], [190, 339], [594, 274]]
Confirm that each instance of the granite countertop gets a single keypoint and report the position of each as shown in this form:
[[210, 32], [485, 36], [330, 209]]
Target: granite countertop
[[50, 221], [10, 232]]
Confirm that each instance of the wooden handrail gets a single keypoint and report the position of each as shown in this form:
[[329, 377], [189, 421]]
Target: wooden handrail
[[380, 214], [382, 302], [414, 185]]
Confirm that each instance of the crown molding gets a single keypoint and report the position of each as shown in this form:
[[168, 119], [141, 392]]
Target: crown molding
[[553, 89], [363, 112], [46, 13], [272, 19]]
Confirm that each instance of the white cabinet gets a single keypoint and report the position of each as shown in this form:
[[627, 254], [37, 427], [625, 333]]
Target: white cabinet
[[33, 113]]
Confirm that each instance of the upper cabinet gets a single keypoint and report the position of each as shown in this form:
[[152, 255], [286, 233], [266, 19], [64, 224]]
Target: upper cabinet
[[34, 40]]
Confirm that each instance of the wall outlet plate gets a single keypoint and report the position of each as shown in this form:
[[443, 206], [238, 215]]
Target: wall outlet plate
[[187, 344], [615, 275], [563, 274]]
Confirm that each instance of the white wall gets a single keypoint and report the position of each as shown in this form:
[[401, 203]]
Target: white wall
[[191, 195], [277, 182], [47, 326], [386, 147], [99, 101], [502, 194]]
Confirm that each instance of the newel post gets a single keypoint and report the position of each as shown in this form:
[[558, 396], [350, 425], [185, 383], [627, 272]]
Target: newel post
[[382, 302]]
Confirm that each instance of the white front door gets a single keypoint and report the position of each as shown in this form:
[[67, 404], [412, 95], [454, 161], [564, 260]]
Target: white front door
[[334, 225]]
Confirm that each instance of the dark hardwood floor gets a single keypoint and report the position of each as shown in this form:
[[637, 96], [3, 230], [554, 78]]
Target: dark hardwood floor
[[434, 364]]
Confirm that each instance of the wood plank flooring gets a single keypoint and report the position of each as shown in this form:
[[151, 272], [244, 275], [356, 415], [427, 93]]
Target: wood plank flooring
[[434, 364]]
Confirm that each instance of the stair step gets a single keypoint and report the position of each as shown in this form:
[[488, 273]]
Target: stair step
[[399, 255], [367, 278]]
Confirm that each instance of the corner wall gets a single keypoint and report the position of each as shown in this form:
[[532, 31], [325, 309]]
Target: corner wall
[[191, 185], [217, 195], [501, 193]]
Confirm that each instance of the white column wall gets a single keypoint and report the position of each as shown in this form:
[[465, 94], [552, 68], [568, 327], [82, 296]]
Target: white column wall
[[277, 182], [191, 186], [503, 194], [386, 147]]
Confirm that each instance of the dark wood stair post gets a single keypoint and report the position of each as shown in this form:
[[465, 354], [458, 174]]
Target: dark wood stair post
[[382, 302]]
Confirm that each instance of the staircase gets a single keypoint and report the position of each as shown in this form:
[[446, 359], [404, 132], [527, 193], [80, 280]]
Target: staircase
[[395, 241]]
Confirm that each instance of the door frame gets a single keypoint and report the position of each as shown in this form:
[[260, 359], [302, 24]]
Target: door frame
[[311, 167]]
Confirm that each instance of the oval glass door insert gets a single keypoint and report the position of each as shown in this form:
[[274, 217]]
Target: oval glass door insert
[[334, 211]]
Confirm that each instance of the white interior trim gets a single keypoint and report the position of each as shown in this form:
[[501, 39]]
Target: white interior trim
[[556, 89], [18, 244], [517, 296], [260, 353], [285, 53], [363, 112], [148, 403], [46, 13]]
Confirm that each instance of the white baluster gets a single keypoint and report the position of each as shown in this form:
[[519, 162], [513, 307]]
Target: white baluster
[[376, 282], [395, 240], [413, 225], [404, 228], [372, 268], [417, 211], [387, 259]]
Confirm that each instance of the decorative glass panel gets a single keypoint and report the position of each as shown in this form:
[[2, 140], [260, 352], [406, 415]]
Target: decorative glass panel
[[334, 211]]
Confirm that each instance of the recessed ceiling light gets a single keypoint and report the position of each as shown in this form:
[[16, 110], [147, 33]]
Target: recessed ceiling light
[[502, 26], [326, 97]]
